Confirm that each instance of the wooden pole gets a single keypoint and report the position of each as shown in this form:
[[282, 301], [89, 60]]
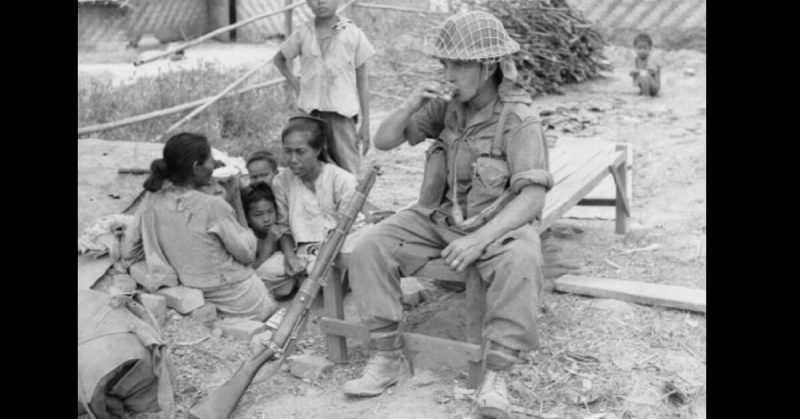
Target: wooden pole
[[395, 8], [288, 20], [212, 34], [205, 106], [169, 111]]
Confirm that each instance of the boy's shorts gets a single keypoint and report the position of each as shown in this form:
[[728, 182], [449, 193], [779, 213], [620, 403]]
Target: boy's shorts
[[343, 147]]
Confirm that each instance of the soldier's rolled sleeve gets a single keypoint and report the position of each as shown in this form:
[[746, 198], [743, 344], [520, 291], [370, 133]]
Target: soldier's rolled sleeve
[[525, 151]]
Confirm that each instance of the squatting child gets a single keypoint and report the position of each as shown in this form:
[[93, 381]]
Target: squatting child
[[646, 74]]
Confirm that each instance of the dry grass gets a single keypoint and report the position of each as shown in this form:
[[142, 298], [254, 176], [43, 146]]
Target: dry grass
[[237, 125]]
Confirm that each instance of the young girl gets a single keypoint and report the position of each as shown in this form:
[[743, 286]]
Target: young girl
[[259, 206]]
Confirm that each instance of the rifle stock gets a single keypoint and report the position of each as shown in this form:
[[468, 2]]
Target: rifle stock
[[222, 401]]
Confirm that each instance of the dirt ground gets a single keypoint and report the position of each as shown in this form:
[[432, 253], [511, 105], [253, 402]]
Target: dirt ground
[[599, 358]]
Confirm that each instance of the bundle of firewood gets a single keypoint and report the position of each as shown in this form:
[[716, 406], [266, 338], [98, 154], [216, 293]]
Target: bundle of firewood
[[558, 45]]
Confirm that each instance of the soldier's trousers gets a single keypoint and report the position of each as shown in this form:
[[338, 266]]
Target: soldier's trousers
[[402, 244]]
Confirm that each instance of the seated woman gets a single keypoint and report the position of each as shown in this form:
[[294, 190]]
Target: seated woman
[[193, 236], [309, 196]]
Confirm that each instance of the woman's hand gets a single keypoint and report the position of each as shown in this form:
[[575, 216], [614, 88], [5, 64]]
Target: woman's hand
[[293, 264], [462, 251]]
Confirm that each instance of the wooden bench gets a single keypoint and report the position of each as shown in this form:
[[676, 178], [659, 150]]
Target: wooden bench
[[577, 168]]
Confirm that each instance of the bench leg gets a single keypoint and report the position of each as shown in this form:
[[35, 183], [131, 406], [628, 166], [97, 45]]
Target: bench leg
[[622, 177], [333, 295], [476, 301]]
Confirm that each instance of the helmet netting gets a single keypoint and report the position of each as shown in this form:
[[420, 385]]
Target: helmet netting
[[470, 36]]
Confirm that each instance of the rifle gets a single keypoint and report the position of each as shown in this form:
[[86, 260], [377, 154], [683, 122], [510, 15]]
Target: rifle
[[222, 402]]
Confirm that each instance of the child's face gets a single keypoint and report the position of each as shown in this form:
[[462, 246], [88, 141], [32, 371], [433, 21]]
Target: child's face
[[323, 8], [261, 216], [642, 49], [261, 171]]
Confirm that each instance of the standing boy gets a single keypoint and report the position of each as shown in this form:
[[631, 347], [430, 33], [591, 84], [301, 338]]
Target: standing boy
[[332, 83], [646, 75]]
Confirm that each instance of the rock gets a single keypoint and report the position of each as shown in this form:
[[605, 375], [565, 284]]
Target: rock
[[689, 72], [184, 300], [141, 274], [156, 305], [241, 329], [412, 290], [205, 314], [308, 366], [217, 332], [124, 283]]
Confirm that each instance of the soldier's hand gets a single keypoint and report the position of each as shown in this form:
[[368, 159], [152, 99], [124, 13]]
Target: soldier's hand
[[461, 252]]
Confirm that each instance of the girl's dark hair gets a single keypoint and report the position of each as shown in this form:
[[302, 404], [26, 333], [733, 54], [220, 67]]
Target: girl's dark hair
[[265, 156], [643, 37], [180, 153], [256, 192], [319, 129]]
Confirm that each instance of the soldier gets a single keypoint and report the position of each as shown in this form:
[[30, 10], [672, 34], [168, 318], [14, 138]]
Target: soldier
[[481, 210]]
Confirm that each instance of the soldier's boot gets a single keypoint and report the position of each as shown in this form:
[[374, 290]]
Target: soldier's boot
[[387, 367], [491, 399]]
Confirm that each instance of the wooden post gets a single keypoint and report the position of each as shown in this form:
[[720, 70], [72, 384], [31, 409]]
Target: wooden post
[[288, 18], [219, 15], [476, 306], [333, 295], [622, 177]]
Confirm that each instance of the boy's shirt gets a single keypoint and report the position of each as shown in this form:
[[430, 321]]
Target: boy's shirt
[[328, 79]]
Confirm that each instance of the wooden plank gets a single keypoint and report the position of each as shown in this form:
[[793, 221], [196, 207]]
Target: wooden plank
[[597, 202], [566, 195], [637, 292], [333, 296], [432, 352], [587, 171], [572, 162], [476, 301], [423, 350], [436, 269]]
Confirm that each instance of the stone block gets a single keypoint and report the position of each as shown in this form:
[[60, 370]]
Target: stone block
[[141, 274], [184, 300], [412, 290], [205, 314], [241, 329], [308, 366]]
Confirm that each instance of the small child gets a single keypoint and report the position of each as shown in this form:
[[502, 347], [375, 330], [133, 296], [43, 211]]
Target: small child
[[260, 210], [646, 75], [333, 78], [262, 167]]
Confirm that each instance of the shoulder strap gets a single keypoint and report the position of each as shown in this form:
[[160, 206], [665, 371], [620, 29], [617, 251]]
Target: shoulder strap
[[497, 143]]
